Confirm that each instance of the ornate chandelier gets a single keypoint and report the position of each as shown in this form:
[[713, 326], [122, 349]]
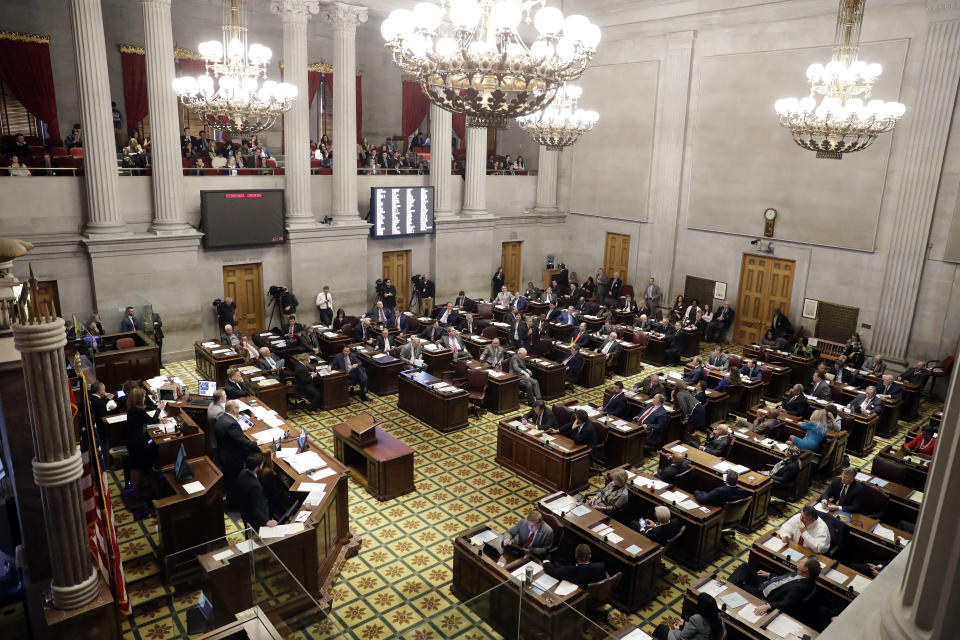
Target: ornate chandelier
[[560, 124], [846, 120], [230, 96], [477, 63]]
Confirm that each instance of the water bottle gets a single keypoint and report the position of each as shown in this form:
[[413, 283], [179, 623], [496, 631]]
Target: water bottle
[[528, 574]]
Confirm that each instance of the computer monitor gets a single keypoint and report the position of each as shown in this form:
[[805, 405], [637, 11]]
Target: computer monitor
[[182, 468], [207, 387], [181, 456]]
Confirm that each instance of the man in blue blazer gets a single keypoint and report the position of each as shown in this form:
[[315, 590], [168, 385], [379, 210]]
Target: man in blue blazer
[[720, 496], [568, 317], [348, 362], [130, 322], [695, 374], [890, 388], [751, 369], [654, 418], [531, 534], [617, 404], [449, 316], [574, 361]]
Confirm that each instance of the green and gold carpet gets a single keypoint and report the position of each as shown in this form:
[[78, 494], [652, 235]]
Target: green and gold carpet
[[398, 586]]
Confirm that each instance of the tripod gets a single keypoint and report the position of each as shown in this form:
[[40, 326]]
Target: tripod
[[274, 309], [415, 299]]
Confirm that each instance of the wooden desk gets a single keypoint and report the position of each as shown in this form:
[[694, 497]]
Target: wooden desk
[[656, 350], [332, 342], [503, 389], [334, 385], [800, 366], [593, 322], [691, 343], [536, 307], [213, 366], [443, 411], [700, 543], [560, 466], [887, 419], [630, 361], [543, 615], [705, 476], [270, 392], [382, 370], [384, 468], [187, 520], [718, 402], [193, 439], [737, 627], [904, 504], [114, 366], [640, 568], [829, 467], [594, 368], [625, 439], [675, 429], [915, 465], [278, 344], [550, 375], [561, 332], [757, 452], [438, 360], [475, 344], [911, 396]]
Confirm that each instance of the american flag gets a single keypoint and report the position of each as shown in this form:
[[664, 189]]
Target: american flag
[[97, 506]]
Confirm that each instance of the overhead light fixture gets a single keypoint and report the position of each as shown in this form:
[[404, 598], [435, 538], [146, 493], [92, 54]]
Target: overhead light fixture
[[561, 123]]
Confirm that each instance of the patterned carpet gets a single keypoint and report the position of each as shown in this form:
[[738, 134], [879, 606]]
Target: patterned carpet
[[399, 584]]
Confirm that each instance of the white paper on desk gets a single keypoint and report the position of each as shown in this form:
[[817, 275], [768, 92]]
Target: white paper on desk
[[633, 549], [733, 600], [258, 378], [561, 505], [819, 507], [310, 487], [243, 406], [274, 421], [915, 496], [193, 487], [636, 634], [862, 477], [248, 369], [640, 481], [774, 544], [782, 446], [545, 582], [322, 473], [859, 583], [880, 482], [783, 625], [583, 510], [306, 462], [739, 468], [746, 612], [673, 496], [302, 516], [622, 426], [689, 505], [793, 555], [120, 417], [269, 435], [314, 498], [210, 344], [223, 555], [380, 355], [280, 530], [268, 382], [219, 351], [722, 465], [678, 448], [714, 588], [613, 538], [674, 374], [247, 545], [521, 571], [705, 509], [883, 532], [484, 537], [331, 334], [565, 588], [286, 452], [837, 576], [430, 346], [495, 374]]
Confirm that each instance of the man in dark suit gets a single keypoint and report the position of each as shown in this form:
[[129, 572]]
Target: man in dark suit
[[796, 403], [303, 382], [310, 341], [532, 534], [654, 419], [462, 301], [650, 386], [718, 441], [840, 372], [917, 374], [232, 447], [529, 335], [573, 362], [552, 314], [293, 328], [100, 405], [676, 345], [364, 332], [385, 342], [867, 403], [820, 388], [582, 573], [785, 591], [696, 373], [617, 404], [468, 326], [780, 324], [889, 388], [346, 361], [235, 386], [449, 316], [664, 528], [629, 306], [580, 430], [845, 493], [540, 417], [678, 464], [249, 495], [569, 316], [752, 370], [432, 333], [615, 284], [270, 363], [611, 348], [727, 492], [130, 322], [580, 337], [381, 314], [722, 319], [877, 366]]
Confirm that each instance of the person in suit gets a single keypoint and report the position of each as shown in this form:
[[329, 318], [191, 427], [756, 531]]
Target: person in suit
[[130, 322], [806, 529], [917, 374], [579, 429], [433, 332], [519, 302], [580, 337], [235, 387], [412, 353], [250, 496], [569, 316], [642, 322], [654, 419], [877, 367], [310, 341], [889, 388], [492, 354], [549, 296], [611, 348], [785, 591], [765, 422], [540, 417], [676, 345], [552, 314], [820, 388], [780, 324], [615, 285], [293, 328], [453, 342], [700, 392], [678, 464], [796, 403], [232, 446], [694, 413], [629, 306], [617, 405], [364, 332], [529, 384], [384, 342], [650, 386], [603, 286], [785, 472], [696, 373], [462, 301], [752, 370], [583, 573], [230, 336], [269, 363], [529, 334], [718, 359], [841, 374], [468, 326], [572, 291], [614, 495], [531, 534], [867, 403], [722, 319], [348, 362], [303, 382], [705, 624], [141, 452], [573, 362], [718, 441], [496, 282], [504, 298], [727, 492], [381, 314], [448, 316], [844, 493], [101, 405], [606, 329], [652, 295]]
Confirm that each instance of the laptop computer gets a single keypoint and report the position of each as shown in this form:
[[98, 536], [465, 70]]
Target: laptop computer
[[205, 393]]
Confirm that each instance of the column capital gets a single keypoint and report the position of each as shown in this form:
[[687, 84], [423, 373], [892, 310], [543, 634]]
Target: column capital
[[345, 16], [295, 9]]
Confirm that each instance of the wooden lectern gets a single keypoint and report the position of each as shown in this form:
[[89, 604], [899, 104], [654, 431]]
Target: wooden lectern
[[363, 431]]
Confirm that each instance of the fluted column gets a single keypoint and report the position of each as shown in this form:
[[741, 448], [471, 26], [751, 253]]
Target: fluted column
[[169, 215], [928, 124], [441, 141], [296, 122], [475, 189], [57, 466], [345, 19], [99, 142], [547, 181]]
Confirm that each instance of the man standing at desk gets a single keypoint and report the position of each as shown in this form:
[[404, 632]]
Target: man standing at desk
[[348, 362], [531, 534], [254, 508], [530, 385], [233, 447], [389, 296]]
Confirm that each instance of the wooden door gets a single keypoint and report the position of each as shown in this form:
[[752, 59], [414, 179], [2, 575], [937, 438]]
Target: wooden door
[[47, 292], [511, 259], [616, 255], [396, 266], [244, 283], [765, 284]]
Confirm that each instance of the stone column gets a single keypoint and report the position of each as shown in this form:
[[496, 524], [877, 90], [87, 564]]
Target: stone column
[[169, 215], [475, 189], [99, 142], [57, 466], [546, 181], [441, 141], [928, 124], [296, 122], [345, 19]]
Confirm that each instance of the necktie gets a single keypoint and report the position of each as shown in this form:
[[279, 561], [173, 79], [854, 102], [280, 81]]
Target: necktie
[[843, 494], [567, 359], [801, 539], [645, 414], [530, 538], [456, 347]]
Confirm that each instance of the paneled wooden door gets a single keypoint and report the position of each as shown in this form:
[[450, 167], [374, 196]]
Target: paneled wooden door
[[765, 284], [616, 255], [244, 283], [511, 259], [396, 266], [47, 291]]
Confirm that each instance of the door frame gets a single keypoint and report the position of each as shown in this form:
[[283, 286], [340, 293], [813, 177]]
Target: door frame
[[738, 318], [261, 313]]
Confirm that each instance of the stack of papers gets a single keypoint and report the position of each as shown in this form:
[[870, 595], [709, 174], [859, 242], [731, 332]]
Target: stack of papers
[[582, 510], [430, 346], [640, 481], [193, 487], [746, 612], [674, 496], [320, 474], [494, 373], [269, 435], [602, 529], [561, 505], [783, 625], [837, 576], [247, 545], [210, 344], [223, 555], [248, 369], [636, 634], [331, 334], [793, 555], [565, 588], [915, 495], [678, 448], [519, 572], [286, 452], [859, 583], [774, 544], [880, 482], [714, 588], [380, 355], [484, 537], [733, 600], [723, 465], [883, 532], [689, 505], [545, 582], [314, 498], [280, 530], [306, 462], [268, 382]]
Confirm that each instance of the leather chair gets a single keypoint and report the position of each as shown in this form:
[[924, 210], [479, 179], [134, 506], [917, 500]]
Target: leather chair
[[558, 530], [734, 396], [413, 325], [874, 501], [733, 514], [823, 457], [735, 361], [836, 395], [940, 369], [353, 320], [489, 332], [670, 543], [729, 447], [602, 432], [484, 311], [600, 593], [562, 413], [640, 339], [460, 371], [347, 329], [572, 376], [544, 347], [838, 530], [126, 343], [476, 388], [889, 470]]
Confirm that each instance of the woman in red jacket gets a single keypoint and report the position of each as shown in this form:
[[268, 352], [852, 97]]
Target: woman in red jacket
[[923, 443]]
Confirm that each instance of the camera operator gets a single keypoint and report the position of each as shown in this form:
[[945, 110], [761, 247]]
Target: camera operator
[[284, 298], [389, 295], [427, 292], [226, 312]]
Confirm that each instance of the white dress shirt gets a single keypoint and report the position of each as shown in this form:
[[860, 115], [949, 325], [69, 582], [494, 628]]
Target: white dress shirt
[[324, 301], [815, 537]]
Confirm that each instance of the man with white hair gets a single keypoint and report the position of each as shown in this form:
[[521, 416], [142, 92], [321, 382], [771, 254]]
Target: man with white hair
[[889, 388], [718, 441], [664, 528], [231, 337], [268, 362], [530, 386], [867, 403]]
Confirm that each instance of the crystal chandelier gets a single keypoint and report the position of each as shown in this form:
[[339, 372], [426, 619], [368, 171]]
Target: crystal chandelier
[[846, 120], [560, 124], [230, 96], [477, 63]]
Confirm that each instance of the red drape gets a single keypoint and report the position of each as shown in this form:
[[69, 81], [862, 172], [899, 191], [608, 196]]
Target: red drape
[[359, 112], [134, 88], [193, 68], [460, 128], [313, 84], [25, 69], [416, 105]]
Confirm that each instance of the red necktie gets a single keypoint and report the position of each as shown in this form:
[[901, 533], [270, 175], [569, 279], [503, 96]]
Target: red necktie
[[382, 319], [529, 539], [456, 347], [646, 414], [801, 539]]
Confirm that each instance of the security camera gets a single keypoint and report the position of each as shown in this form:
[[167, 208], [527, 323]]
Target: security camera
[[755, 242]]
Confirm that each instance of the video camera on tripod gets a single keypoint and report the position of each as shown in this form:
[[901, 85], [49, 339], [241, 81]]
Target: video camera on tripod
[[381, 287]]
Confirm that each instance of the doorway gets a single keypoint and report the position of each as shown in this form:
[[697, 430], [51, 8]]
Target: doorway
[[244, 283], [511, 259], [396, 266], [616, 255], [765, 284]]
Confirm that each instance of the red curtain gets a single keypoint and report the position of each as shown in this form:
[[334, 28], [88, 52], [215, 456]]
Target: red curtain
[[313, 84], [193, 68], [460, 128], [416, 105], [25, 69], [359, 112], [134, 88]]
